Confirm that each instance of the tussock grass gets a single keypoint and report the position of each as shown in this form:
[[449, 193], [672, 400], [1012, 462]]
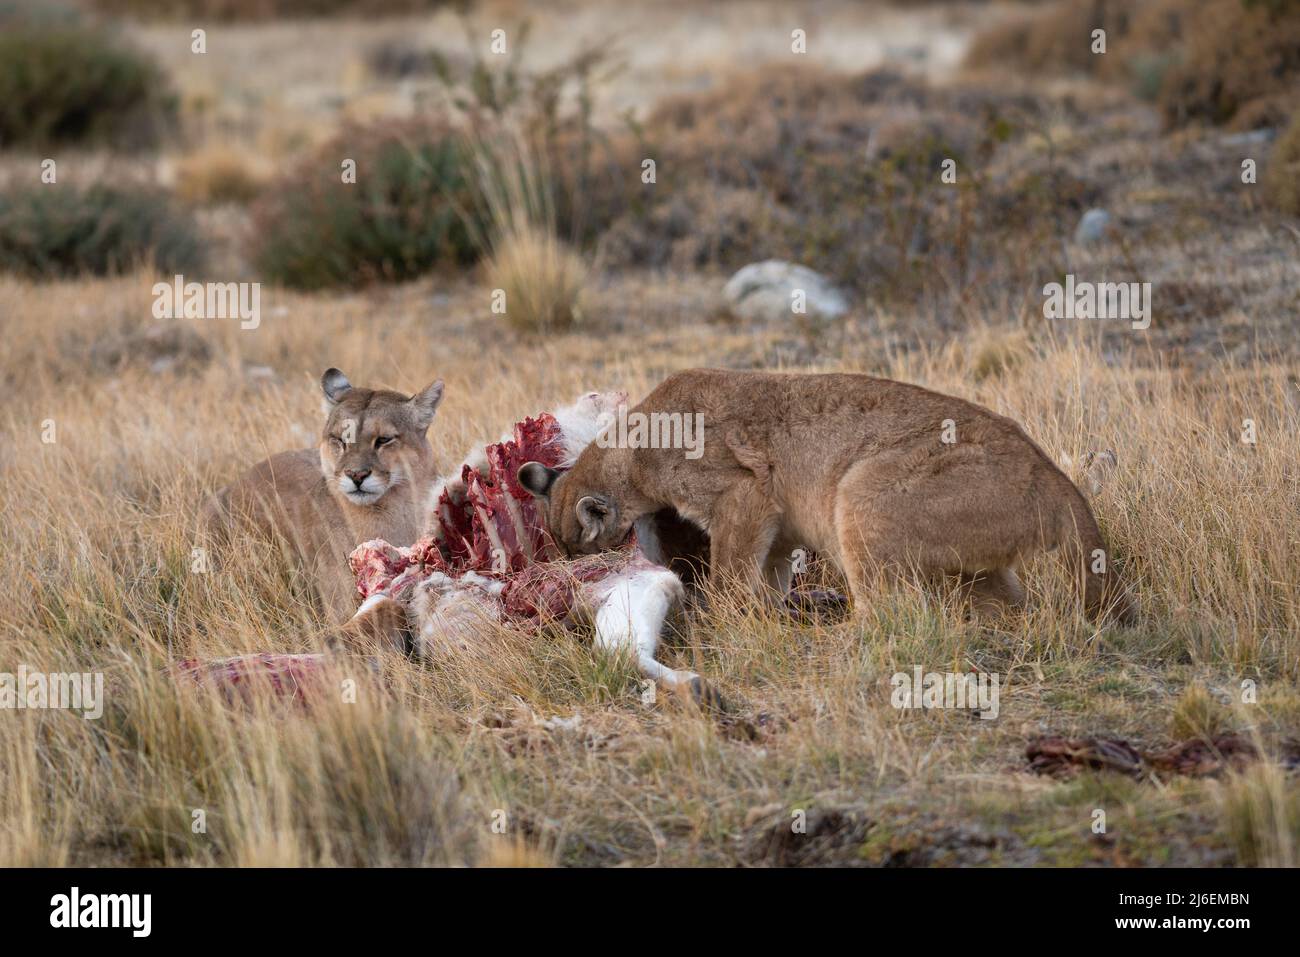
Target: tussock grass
[[1261, 811], [99, 530], [542, 280], [218, 174]]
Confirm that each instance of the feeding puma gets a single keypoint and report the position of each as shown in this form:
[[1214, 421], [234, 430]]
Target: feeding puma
[[368, 478], [881, 477]]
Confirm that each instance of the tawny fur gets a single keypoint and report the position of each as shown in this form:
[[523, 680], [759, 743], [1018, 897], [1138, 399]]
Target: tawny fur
[[302, 497], [850, 466]]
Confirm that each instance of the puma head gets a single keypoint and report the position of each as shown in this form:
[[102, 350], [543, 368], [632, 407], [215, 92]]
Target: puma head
[[374, 440]]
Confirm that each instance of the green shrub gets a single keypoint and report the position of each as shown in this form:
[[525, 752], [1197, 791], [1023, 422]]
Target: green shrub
[[64, 80], [410, 209], [52, 231], [421, 197]]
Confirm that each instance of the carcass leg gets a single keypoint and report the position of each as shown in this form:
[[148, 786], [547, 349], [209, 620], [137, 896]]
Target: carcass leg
[[633, 608]]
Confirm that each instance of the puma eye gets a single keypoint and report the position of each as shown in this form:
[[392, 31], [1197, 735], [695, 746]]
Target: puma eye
[[336, 442], [383, 440]]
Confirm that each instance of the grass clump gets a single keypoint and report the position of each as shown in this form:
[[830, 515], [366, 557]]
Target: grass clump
[[542, 279], [1260, 812]]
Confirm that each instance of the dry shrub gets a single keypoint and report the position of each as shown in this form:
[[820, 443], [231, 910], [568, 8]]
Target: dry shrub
[[594, 175], [1282, 174], [695, 227], [1234, 62], [1057, 39], [839, 172], [1238, 58]]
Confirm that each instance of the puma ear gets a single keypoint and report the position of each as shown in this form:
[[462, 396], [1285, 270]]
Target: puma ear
[[335, 385], [593, 515], [425, 404], [537, 479]]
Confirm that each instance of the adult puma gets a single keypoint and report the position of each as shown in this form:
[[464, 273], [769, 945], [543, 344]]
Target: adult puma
[[368, 478], [881, 477]]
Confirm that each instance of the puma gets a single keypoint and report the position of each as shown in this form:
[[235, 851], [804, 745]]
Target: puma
[[369, 478], [883, 478]]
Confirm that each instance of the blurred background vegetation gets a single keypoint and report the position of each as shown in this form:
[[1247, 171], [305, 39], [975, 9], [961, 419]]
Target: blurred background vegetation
[[833, 167]]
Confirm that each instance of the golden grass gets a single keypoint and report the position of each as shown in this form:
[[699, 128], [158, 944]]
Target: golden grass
[[98, 536]]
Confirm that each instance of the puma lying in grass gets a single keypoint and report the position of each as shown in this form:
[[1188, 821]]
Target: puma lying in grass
[[368, 478]]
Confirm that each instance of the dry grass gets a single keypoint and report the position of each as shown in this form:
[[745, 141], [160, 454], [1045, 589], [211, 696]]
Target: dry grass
[[98, 535]]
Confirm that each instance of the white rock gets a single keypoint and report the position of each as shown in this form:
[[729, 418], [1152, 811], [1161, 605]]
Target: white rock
[[1093, 225], [768, 292]]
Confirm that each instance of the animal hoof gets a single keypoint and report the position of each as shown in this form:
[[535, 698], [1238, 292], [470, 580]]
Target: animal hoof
[[704, 695], [380, 625], [808, 605]]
